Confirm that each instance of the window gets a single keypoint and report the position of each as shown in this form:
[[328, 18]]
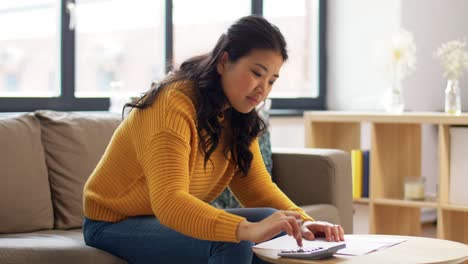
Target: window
[[73, 54], [302, 82], [299, 25], [120, 52], [190, 25], [29, 51]]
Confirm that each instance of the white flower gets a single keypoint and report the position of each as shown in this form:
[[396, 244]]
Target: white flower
[[397, 57], [454, 58]]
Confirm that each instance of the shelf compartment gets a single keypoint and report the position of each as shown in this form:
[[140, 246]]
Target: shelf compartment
[[395, 220], [406, 203], [340, 135], [396, 141], [396, 154], [453, 225]]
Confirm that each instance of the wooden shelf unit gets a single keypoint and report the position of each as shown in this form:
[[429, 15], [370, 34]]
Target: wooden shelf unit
[[395, 154]]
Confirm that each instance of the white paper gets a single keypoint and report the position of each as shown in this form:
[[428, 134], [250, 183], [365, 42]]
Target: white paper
[[355, 245], [361, 245]]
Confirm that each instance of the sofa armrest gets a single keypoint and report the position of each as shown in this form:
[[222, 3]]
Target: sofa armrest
[[316, 176]]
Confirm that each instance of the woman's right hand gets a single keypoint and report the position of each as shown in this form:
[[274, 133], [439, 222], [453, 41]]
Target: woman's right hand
[[286, 221]]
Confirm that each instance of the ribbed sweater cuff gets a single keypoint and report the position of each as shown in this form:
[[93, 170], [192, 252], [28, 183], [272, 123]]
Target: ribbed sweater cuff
[[226, 227], [304, 215]]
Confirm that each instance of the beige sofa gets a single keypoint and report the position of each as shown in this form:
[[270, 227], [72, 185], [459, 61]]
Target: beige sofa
[[46, 157]]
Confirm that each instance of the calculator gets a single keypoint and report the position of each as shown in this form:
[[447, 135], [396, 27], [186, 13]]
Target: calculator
[[311, 252]]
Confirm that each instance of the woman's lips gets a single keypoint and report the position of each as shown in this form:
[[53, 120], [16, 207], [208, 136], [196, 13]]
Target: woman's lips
[[252, 100]]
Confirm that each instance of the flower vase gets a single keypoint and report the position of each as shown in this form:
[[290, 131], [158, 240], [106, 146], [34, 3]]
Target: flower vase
[[395, 102], [452, 98]]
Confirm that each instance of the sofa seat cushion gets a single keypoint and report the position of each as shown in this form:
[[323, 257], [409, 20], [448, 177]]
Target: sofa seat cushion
[[323, 212], [51, 246]]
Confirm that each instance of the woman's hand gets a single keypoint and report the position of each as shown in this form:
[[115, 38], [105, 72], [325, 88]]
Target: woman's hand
[[271, 226], [331, 232]]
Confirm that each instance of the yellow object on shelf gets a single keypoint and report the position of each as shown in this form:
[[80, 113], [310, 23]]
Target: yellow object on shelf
[[356, 164]]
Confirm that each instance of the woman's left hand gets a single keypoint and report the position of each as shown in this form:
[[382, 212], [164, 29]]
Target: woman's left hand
[[312, 229]]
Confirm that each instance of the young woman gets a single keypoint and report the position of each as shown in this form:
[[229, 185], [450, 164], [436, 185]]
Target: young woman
[[189, 137]]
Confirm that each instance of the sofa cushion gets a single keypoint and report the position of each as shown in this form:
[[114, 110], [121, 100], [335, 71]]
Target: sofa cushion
[[51, 246], [25, 203], [323, 212], [74, 144]]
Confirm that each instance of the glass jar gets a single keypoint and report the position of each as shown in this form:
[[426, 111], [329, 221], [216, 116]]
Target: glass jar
[[414, 188], [395, 103], [452, 98]]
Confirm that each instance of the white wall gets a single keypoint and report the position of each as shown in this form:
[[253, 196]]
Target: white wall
[[353, 27], [432, 23], [287, 132]]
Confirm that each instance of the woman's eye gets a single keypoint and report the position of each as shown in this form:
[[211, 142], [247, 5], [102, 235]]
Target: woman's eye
[[256, 74]]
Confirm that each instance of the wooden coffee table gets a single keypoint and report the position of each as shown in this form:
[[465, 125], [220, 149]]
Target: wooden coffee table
[[413, 250]]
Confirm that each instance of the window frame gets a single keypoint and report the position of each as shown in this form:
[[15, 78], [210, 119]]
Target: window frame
[[68, 102]]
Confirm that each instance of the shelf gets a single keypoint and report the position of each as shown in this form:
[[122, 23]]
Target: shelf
[[406, 203], [396, 153], [453, 207], [382, 117], [361, 200]]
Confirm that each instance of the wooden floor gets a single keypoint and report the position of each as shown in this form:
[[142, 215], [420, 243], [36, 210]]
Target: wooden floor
[[361, 222]]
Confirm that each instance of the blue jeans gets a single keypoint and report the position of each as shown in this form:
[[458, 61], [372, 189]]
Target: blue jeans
[[144, 239]]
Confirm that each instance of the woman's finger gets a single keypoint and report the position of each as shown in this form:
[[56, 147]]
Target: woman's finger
[[335, 229], [328, 232], [294, 214], [341, 233], [296, 229], [307, 234], [294, 224], [286, 227]]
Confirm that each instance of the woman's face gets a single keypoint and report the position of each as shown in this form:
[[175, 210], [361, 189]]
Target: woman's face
[[249, 80]]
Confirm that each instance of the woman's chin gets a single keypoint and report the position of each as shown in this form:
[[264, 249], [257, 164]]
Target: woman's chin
[[244, 110]]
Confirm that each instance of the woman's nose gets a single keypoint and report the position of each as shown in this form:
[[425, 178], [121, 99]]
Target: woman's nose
[[261, 88]]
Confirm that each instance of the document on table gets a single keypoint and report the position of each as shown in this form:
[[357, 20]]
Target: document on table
[[355, 245]]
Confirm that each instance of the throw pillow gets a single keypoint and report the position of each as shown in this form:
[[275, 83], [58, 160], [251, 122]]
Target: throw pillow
[[25, 203], [73, 144], [264, 139], [226, 199]]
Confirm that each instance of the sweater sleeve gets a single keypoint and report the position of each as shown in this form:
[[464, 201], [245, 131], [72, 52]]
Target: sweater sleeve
[[258, 190], [165, 162]]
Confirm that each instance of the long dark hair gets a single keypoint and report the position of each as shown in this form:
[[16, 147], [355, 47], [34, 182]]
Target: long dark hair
[[246, 34]]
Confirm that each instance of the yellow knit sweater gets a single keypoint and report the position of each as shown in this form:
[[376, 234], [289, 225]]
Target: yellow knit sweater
[[153, 166]]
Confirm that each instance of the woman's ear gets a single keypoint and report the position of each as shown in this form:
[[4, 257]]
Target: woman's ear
[[222, 63]]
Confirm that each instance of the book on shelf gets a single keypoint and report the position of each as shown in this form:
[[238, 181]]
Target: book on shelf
[[365, 173], [356, 166], [360, 173]]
